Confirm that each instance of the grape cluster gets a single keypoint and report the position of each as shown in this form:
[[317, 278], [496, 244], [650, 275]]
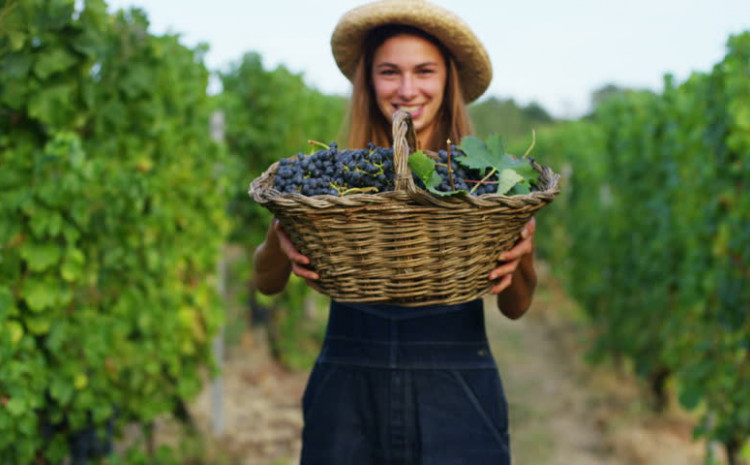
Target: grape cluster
[[463, 178], [340, 172], [337, 172]]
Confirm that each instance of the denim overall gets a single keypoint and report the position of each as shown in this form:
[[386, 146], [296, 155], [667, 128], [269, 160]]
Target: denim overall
[[397, 385]]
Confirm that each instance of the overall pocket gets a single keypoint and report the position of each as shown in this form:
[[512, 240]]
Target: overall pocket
[[484, 391], [463, 417]]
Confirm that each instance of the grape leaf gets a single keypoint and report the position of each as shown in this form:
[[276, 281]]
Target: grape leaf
[[508, 179], [520, 189], [479, 155], [424, 167], [523, 167], [39, 257], [53, 61], [491, 155], [40, 293], [496, 144]]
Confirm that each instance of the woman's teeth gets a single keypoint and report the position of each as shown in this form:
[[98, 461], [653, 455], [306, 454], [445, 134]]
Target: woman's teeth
[[410, 109]]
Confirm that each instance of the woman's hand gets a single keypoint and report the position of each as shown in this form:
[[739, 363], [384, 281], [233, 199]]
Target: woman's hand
[[513, 257], [276, 259], [297, 260]]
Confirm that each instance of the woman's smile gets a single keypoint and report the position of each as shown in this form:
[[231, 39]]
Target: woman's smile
[[415, 110]]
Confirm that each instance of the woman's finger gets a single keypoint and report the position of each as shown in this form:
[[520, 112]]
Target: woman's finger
[[524, 247], [503, 284], [530, 228], [303, 272], [313, 285], [288, 247], [505, 269]]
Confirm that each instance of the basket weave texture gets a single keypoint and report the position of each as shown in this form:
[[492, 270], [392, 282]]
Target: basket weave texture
[[405, 247]]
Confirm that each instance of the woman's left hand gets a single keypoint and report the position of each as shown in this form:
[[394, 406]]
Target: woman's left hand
[[512, 257]]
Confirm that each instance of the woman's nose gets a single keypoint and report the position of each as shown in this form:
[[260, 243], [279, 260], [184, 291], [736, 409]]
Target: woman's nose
[[408, 88]]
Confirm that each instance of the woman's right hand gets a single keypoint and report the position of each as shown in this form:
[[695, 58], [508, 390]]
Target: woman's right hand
[[297, 260]]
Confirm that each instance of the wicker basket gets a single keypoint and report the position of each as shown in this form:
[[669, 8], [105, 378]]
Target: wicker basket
[[405, 247]]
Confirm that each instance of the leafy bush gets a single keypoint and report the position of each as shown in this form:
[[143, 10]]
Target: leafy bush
[[112, 204], [652, 235]]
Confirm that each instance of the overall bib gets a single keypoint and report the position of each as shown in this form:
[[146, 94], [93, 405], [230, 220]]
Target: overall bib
[[398, 385]]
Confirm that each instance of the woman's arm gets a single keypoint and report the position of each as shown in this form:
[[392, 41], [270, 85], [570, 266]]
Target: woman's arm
[[275, 259], [516, 288]]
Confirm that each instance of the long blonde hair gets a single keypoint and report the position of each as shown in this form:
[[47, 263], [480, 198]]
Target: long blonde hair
[[367, 123]]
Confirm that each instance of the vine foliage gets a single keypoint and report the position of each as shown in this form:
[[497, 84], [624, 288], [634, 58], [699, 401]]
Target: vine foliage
[[654, 235], [112, 202]]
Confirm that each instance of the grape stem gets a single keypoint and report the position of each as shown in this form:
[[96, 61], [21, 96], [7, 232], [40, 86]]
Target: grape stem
[[533, 142], [359, 190], [483, 180], [450, 166], [321, 144]]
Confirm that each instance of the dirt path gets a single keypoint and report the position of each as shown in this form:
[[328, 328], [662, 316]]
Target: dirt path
[[262, 416], [550, 409], [566, 412], [562, 412]]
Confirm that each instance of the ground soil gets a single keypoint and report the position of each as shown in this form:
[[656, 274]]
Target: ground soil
[[563, 410]]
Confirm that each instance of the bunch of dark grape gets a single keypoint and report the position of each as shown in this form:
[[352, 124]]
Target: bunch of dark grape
[[337, 172], [464, 179], [340, 172]]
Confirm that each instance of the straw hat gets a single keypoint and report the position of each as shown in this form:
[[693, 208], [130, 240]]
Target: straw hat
[[473, 63]]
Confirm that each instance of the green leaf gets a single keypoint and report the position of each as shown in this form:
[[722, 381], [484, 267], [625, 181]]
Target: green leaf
[[17, 406], [38, 325], [508, 179], [39, 294], [137, 80], [496, 144], [16, 66], [479, 156], [39, 257], [72, 267], [53, 61], [14, 25], [57, 335], [51, 104], [15, 330], [17, 39], [520, 189], [6, 302], [424, 168]]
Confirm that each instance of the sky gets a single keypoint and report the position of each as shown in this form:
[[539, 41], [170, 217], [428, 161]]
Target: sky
[[552, 52]]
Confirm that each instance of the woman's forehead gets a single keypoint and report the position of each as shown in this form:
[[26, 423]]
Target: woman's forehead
[[406, 48]]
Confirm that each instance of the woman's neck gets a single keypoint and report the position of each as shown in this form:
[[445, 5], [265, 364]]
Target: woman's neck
[[424, 138]]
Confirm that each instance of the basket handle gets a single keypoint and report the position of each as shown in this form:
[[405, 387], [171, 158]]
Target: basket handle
[[404, 140]]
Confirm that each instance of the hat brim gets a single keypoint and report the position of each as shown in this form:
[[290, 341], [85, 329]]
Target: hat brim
[[472, 61]]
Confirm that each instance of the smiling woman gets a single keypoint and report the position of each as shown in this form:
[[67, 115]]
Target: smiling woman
[[401, 384], [396, 57]]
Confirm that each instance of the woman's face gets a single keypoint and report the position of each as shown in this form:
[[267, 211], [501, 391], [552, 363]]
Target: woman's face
[[409, 73]]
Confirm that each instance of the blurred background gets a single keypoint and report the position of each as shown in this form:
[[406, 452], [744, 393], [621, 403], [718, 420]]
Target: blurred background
[[130, 329]]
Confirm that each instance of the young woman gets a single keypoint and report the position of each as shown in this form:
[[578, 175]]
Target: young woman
[[393, 384]]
